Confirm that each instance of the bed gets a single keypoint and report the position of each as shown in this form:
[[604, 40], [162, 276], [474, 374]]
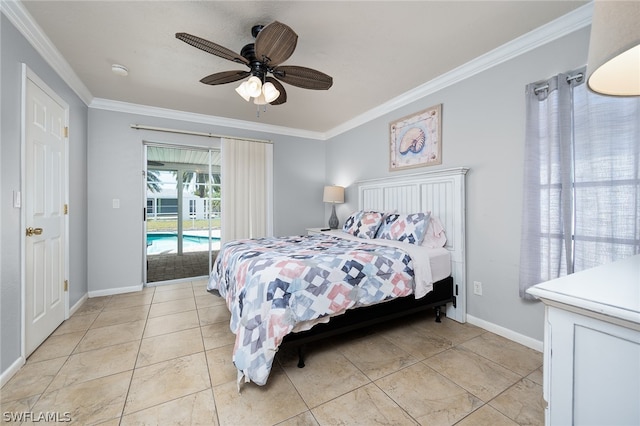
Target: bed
[[300, 288]]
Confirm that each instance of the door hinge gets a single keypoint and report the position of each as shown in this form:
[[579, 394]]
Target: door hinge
[[66, 285], [66, 209], [66, 131]]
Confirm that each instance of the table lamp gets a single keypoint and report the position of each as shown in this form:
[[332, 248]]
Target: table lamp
[[333, 194]]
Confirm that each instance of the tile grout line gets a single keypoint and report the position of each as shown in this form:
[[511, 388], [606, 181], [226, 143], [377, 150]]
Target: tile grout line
[[454, 346], [135, 365], [487, 403], [133, 371], [503, 392], [44, 391], [164, 334], [206, 359]]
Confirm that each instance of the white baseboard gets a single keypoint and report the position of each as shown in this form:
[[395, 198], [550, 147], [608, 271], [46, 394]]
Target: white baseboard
[[78, 304], [506, 333], [118, 290], [9, 372]]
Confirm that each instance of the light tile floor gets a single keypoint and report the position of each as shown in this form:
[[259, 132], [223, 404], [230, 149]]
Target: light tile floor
[[163, 356]]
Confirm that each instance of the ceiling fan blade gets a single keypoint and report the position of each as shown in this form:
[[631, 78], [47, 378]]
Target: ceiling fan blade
[[306, 78], [275, 43], [211, 47], [283, 93], [224, 77]]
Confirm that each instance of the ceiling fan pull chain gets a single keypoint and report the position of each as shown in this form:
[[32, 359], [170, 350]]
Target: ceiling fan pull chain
[[258, 110]]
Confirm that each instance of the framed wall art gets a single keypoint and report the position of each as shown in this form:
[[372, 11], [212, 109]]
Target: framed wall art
[[416, 140]]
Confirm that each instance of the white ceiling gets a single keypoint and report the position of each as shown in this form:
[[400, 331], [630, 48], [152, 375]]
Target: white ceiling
[[376, 51]]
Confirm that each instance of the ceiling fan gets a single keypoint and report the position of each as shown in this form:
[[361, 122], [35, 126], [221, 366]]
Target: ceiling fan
[[274, 44]]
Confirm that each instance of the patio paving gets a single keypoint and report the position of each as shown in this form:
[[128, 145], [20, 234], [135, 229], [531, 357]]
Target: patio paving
[[171, 266]]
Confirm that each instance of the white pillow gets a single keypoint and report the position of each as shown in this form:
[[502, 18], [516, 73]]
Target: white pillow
[[435, 236]]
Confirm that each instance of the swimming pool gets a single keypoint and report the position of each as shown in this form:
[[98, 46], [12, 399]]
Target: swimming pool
[[164, 242]]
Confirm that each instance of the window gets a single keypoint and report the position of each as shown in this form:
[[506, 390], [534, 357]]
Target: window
[[582, 179], [151, 210], [167, 206]]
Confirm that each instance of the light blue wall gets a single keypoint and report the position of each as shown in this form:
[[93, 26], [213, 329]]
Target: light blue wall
[[14, 51], [483, 129], [116, 161]]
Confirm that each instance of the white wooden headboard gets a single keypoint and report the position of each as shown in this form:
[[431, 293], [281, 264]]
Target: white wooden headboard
[[443, 193]]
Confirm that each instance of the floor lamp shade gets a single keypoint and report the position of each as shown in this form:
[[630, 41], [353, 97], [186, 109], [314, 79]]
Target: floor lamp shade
[[333, 195], [613, 67]]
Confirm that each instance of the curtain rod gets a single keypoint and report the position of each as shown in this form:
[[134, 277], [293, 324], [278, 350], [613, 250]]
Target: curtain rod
[[569, 80], [190, 132]]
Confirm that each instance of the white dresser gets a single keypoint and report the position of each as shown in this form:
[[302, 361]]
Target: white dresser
[[592, 345]]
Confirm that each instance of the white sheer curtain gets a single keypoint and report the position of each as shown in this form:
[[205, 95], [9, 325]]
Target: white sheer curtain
[[247, 183], [581, 179]]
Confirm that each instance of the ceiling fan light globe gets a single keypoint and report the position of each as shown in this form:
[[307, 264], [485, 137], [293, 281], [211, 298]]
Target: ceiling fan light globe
[[260, 100], [254, 87], [270, 92], [242, 91]]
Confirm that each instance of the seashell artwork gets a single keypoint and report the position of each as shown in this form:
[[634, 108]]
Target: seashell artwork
[[413, 140], [416, 140]]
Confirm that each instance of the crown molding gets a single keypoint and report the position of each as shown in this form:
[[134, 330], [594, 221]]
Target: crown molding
[[118, 106], [16, 13], [573, 21], [560, 27]]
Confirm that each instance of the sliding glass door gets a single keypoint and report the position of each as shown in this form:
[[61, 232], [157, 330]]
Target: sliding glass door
[[182, 226]]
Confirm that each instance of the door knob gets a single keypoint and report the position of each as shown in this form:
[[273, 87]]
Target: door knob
[[33, 231]]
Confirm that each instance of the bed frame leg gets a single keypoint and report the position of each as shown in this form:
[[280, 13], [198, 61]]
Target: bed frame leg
[[300, 357], [438, 314]]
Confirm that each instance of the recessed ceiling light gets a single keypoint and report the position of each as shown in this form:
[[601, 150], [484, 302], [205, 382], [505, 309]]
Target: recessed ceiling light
[[120, 70]]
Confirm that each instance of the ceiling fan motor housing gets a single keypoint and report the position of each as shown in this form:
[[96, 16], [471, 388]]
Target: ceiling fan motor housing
[[255, 30], [259, 69]]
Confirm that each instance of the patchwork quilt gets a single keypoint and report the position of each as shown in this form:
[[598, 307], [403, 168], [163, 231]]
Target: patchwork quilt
[[272, 284]]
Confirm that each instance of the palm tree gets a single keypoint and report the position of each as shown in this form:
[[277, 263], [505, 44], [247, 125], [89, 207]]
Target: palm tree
[[153, 181], [198, 182]]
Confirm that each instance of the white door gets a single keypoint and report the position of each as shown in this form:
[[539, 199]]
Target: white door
[[44, 198]]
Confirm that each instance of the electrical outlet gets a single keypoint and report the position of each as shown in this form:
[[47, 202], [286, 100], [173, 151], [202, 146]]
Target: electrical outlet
[[477, 288]]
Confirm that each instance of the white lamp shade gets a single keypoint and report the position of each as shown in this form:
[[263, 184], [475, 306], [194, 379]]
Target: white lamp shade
[[260, 100], [254, 86], [270, 92], [613, 67], [333, 194], [242, 91]]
